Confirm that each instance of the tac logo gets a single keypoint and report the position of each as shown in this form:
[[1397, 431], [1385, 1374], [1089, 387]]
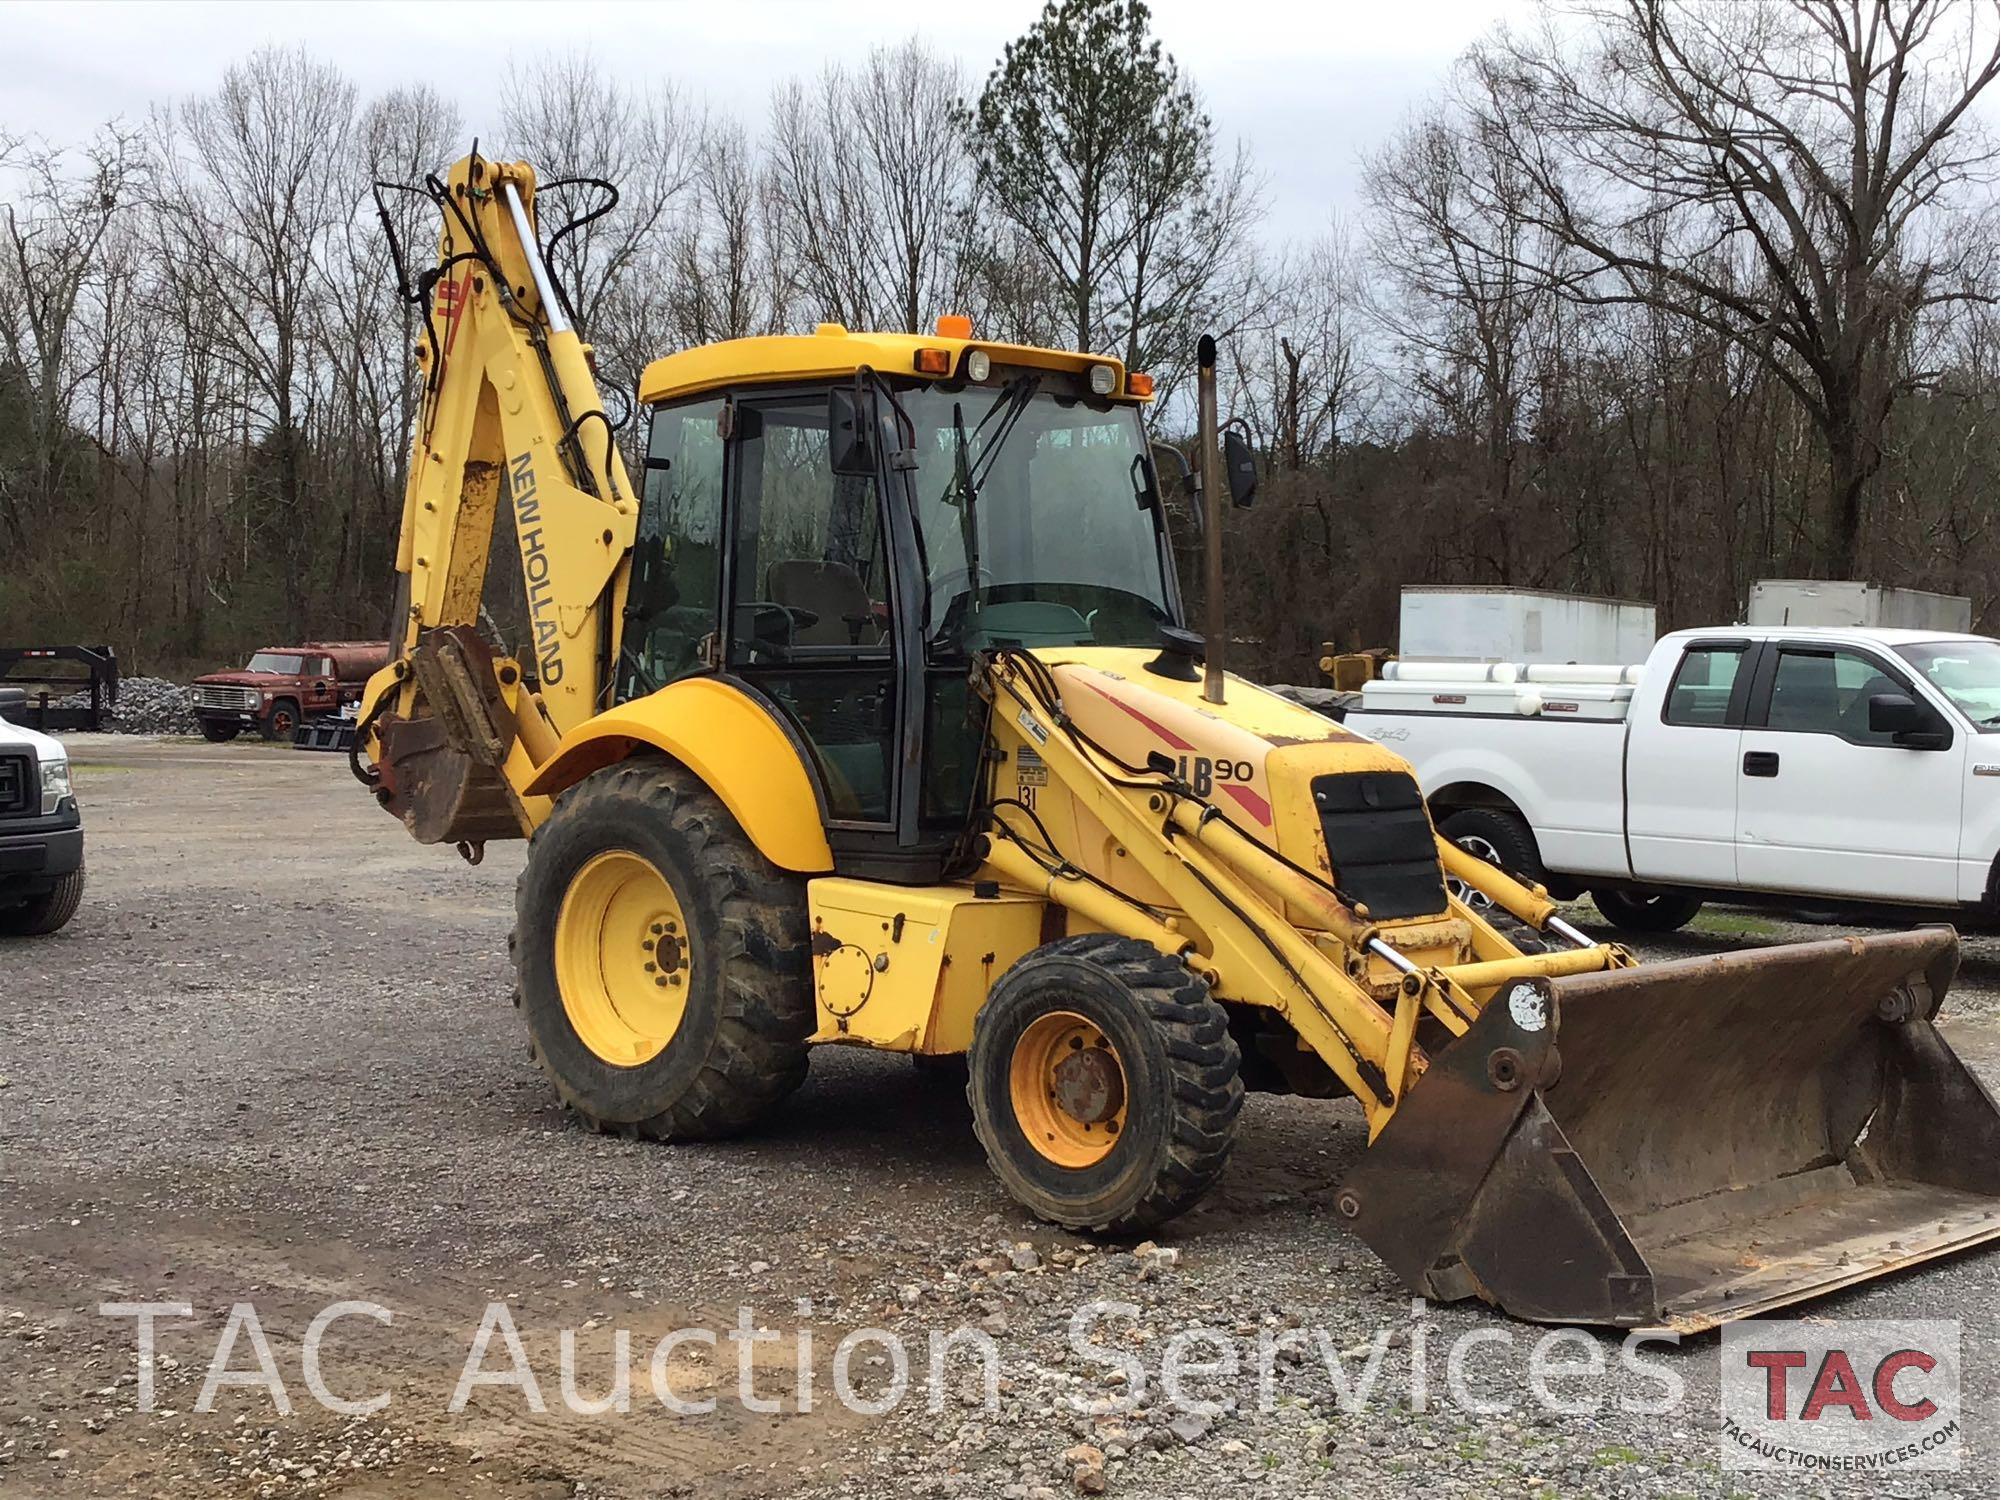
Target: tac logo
[[1867, 1396]]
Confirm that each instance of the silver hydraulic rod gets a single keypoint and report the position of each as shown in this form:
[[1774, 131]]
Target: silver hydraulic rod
[[545, 287], [1391, 957], [1568, 933]]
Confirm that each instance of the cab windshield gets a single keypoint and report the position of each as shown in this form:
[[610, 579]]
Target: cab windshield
[[1966, 671], [283, 663], [1034, 517]]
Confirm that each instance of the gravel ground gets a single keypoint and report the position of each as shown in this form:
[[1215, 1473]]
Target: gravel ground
[[272, 1061]]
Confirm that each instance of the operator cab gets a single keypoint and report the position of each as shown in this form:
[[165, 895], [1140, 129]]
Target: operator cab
[[838, 523]]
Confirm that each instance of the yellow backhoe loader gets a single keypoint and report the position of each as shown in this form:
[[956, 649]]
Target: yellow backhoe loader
[[869, 718]]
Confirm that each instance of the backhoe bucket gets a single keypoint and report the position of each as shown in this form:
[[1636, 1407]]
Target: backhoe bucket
[[1705, 1139]]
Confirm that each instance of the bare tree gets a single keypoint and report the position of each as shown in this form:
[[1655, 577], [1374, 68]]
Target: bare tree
[[1304, 382], [871, 178], [721, 278], [1789, 173], [51, 242], [252, 181], [574, 120]]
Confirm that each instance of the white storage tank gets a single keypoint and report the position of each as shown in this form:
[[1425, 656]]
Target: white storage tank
[[1842, 601], [1444, 622]]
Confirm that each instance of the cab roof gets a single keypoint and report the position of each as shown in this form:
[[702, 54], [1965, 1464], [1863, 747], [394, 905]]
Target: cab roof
[[831, 352]]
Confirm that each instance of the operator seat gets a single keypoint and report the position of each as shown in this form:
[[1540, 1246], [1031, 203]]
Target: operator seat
[[832, 592]]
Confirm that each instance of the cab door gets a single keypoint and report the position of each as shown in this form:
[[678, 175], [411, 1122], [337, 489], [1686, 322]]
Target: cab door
[[1829, 806], [322, 687], [811, 622]]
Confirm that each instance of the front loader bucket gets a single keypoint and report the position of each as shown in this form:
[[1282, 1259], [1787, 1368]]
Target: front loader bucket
[[1684, 1143]]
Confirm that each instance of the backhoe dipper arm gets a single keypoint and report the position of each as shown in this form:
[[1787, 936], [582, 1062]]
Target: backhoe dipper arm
[[508, 395]]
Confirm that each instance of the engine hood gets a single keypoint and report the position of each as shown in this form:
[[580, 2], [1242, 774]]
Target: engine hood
[[45, 746], [244, 679], [1230, 752]]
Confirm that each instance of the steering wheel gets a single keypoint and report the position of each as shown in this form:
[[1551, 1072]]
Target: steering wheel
[[954, 582]]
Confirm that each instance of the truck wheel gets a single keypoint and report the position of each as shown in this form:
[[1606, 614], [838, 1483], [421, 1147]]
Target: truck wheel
[[660, 959], [1647, 911], [1500, 838], [1103, 1084], [282, 719], [217, 732], [1506, 842], [45, 913]]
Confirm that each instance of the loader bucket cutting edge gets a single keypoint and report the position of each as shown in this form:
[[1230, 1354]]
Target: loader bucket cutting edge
[[1689, 1142]]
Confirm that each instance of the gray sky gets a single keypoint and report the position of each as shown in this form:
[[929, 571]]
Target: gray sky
[[1309, 86]]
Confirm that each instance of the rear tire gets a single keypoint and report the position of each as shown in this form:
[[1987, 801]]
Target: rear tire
[[216, 733], [49, 912], [1647, 911], [738, 1043], [1177, 1098]]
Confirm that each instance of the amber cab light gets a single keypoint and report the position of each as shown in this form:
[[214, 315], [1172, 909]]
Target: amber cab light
[[933, 362], [1139, 385], [954, 326]]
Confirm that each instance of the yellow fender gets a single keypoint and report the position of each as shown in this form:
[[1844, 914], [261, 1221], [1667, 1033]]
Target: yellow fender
[[726, 738]]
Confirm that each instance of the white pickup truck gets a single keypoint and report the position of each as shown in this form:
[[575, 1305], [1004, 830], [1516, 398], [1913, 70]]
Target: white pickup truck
[[1760, 765]]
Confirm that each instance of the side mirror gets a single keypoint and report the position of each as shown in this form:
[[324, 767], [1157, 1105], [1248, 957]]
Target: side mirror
[[1240, 469], [849, 450], [1909, 723], [1177, 479]]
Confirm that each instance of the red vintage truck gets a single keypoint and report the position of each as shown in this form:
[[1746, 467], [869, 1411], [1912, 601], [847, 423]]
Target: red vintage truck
[[282, 687]]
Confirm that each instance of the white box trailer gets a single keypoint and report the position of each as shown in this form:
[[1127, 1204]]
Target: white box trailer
[[1454, 623], [1846, 602]]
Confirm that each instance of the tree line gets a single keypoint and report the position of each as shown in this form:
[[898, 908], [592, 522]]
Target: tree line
[[1648, 299]]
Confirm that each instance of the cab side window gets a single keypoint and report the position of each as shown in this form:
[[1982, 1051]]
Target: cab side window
[[812, 570], [1828, 692], [1700, 694], [672, 608]]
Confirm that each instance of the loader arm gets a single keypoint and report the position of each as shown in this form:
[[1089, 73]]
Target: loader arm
[[1232, 896], [510, 407]]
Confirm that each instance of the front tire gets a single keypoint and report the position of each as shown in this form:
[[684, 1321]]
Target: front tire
[[660, 959], [49, 912], [217, 733], [1647, 911], [281, 721], [1104, 1084]]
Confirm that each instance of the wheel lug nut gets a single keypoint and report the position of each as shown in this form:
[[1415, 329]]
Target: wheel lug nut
[[661, 981], [656, 928], [650, 968]]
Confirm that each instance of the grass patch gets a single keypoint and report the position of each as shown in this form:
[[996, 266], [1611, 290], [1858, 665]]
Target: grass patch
[[1615, 1455], [1733, 924]]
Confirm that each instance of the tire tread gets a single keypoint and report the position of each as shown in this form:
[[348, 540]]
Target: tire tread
[[759, 1052], [1206, 1090]]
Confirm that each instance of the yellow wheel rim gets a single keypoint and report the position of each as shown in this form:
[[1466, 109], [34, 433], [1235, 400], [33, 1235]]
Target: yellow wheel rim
[[1068, 1089], [623, 964]]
